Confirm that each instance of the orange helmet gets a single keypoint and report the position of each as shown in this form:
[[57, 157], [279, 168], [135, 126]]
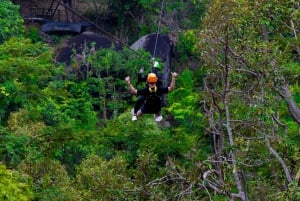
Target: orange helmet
[[152, 77]]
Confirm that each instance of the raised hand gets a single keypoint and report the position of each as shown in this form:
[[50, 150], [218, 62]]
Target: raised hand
[[174, 75], [127, 80]]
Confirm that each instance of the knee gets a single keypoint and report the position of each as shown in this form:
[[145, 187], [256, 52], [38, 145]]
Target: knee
[[139, 113]]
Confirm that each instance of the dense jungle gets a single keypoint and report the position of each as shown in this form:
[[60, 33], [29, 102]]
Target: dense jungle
[[230, 129]]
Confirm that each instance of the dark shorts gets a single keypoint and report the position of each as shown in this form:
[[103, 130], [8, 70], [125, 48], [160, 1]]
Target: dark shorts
[[151, 109]]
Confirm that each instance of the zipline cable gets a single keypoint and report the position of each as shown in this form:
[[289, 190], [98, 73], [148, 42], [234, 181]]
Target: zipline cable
[[158, 28], [114, 38]]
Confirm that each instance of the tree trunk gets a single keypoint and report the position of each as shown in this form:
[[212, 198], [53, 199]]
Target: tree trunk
[[241, 193], [293, 108], [283, 89]]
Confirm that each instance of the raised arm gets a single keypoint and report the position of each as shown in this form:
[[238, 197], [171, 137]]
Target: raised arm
[[131, 88], [172, 85]]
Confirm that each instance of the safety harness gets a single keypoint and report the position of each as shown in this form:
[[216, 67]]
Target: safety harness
[[153, 97], [153, 90]]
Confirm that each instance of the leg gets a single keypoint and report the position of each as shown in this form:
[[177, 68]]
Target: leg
[[153, 108], [139, 113], [138, 104], [142, 110]]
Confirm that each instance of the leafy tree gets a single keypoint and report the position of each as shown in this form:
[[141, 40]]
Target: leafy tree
[[41, 113], [186, 45], [13, 149], [245, 111], [51, 181], [98, 179], [26, 68], [11, 23], [14, 186]]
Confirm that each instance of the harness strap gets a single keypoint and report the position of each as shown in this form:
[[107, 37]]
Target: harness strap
[[153, 90]]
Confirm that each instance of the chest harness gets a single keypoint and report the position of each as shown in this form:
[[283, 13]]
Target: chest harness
[[153, 90], [153, 96]]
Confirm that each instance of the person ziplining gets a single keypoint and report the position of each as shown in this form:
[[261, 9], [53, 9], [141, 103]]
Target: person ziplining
[[156, 69], [152, 94], [150, 98]]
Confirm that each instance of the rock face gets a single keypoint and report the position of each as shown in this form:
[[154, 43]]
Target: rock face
[[81, 41], [159, 46]]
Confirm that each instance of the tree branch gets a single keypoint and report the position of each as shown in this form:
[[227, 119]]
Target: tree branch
[[283, 89], [281, 161], [293, 108]]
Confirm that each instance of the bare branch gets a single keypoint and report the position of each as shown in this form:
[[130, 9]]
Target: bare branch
[[293, 108], [212, 184], [281, 161], [217, 188], [285, 127]]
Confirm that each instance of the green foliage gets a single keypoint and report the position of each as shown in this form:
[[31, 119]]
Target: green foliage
[[50, 179], [135, 19], [26, 68], [184, 105], [14, 186], [183, 102], [186, 14], [130, 138], [186, 45], [73, 106], [104, 75], [98, 179], [11, 23], [74, 137], [33, 34], [246, 56], [13, 149]]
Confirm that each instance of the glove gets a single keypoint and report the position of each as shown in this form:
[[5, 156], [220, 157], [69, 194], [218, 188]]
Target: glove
[[141, 70]]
